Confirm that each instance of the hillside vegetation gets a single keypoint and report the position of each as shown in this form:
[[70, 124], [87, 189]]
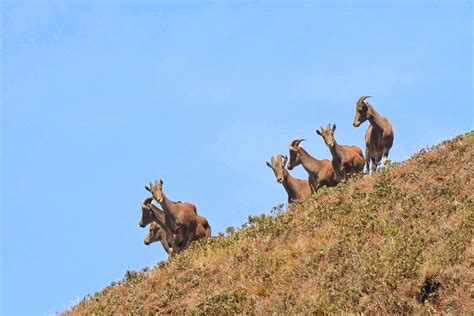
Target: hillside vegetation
[[397, 242]]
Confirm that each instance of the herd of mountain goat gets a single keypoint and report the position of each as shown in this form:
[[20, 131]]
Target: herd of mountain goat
[[177, 224]]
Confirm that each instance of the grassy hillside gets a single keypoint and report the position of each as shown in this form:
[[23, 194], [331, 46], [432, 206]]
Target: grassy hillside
[[397, 242]]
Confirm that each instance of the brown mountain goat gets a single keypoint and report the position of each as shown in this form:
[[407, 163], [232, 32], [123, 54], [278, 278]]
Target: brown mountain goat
[[379, 135], [345, 159], [153, 214], [297, 189], [180, 218], [320, 172]]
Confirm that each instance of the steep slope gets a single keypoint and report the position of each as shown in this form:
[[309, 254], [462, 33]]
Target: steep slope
[[397, 242]]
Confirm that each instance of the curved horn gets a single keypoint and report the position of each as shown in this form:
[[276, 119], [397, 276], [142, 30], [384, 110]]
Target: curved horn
[[299, 141], [147, 202], [272, 160], [294, 144], [362, 98]]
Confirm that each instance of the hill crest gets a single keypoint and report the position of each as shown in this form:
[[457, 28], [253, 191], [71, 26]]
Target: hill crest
[[396, 242]]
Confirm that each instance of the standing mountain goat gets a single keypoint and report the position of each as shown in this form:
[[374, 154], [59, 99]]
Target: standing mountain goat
[[152, 214], [180, 218], [379, 134], [297, 189], [320, 172], [345, 159]]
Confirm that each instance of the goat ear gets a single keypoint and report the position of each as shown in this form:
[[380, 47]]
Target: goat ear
[[147, 188], [318, 132], [269, 165], [161, 182], [334, 128]]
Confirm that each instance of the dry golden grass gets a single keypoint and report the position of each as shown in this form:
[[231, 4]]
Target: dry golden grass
[[398, 242]]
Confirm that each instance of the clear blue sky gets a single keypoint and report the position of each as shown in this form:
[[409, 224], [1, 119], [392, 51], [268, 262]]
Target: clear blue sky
[[100, 98]]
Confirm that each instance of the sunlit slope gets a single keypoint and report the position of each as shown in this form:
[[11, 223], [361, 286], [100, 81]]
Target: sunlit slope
[[397, 242]]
